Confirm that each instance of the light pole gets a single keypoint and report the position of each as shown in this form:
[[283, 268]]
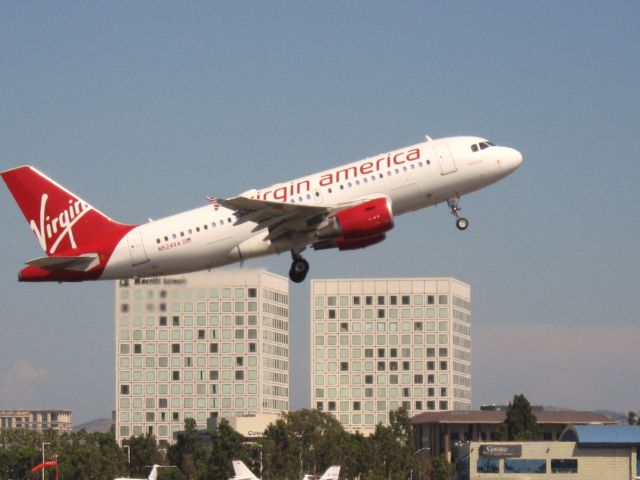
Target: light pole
[[43, 445], [128, 449]]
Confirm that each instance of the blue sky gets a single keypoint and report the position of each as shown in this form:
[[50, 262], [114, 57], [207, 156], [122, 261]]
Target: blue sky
[[144, 108]]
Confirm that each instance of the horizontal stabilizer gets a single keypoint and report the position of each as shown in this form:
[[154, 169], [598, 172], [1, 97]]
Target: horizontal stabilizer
[[80, 263]]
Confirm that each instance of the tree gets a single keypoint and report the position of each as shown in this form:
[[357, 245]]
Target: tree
[[226, 445], [392, 447], [189, 453], [440, 469], [520, 423], [632, 418], [143, 451]]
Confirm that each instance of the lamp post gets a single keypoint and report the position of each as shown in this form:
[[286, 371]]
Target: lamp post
[[43, 445]]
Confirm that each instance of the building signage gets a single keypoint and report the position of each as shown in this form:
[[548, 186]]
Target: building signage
[[501, 451]]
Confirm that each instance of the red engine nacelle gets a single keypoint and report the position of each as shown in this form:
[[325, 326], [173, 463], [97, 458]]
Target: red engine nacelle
[[342, 243], [364, 221]]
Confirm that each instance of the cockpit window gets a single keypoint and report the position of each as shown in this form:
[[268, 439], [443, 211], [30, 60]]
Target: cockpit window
[[482, 145]]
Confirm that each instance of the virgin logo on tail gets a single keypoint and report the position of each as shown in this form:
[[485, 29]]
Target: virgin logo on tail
[[58, 227]]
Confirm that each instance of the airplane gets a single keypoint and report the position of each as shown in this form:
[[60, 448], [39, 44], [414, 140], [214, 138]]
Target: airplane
[[153, 474], [242, 472], [346, 208], [332, 473]]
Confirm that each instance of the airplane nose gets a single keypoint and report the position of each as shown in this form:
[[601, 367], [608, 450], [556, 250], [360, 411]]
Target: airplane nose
[[512, 159]]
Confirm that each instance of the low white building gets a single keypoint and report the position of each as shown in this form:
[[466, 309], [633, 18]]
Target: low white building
[[36, 420]]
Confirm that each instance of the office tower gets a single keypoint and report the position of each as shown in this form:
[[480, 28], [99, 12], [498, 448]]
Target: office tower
[[208, 344], [382, 344]]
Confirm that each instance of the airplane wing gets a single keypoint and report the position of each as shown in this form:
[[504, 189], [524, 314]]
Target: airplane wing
[[281, 219]]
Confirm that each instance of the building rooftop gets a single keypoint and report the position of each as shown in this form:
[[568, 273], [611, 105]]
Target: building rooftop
[[600, 435], [498, 416]]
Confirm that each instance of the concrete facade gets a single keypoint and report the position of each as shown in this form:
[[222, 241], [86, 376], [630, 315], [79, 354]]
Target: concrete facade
[[381, 344], [545, 460], [36, 420], [209, 344]]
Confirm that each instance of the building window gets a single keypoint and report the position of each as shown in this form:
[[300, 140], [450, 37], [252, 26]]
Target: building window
[[213, 375], [444, 405], [368, 300], [568, 465], [319, 406], [137, 348], [344, 366], [124, 389], [332, 406], [213, 348], [406, 300], [522, 465], [380, 300], [175, 321], [162, 321], [175, 375], [356, 300], [252, 292], [488, 465], [175, 348], [368, 379], [239, 375], [356, 406]]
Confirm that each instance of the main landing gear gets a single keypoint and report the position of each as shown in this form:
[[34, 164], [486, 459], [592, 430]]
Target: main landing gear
[[461, 222], [299, 268]]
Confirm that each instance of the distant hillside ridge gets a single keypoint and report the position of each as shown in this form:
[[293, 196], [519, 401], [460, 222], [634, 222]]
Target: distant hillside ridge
[[102, 425]]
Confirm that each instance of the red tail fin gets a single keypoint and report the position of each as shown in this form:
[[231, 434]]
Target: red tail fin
[[63, 223]]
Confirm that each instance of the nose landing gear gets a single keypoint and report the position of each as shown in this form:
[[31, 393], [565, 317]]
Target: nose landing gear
[[299, 268], [461, 222]]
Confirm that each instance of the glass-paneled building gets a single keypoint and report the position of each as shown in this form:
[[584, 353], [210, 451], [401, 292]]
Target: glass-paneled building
[[203, 345], [382, 344]]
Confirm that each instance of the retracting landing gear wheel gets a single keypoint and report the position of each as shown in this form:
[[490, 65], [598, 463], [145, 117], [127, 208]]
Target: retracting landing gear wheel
[[299, 270], [462, 223]]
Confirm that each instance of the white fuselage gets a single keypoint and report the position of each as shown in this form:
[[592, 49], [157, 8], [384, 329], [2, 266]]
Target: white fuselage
[[412, 178]]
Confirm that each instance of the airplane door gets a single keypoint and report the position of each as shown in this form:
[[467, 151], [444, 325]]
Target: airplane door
[[445, 158], [136, 249]]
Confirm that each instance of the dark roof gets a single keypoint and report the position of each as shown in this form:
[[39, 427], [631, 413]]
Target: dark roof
[[597, 435], [563, 417]]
